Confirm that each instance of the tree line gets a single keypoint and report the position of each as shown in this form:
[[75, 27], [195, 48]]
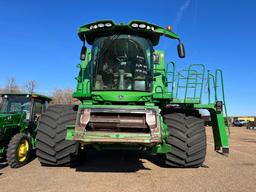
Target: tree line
[[59, 96]]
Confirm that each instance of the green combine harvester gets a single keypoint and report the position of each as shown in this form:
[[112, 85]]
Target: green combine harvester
[[19, 114], [132, 99]]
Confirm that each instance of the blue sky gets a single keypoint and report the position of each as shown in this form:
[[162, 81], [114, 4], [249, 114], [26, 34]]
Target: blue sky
[[38, 39]]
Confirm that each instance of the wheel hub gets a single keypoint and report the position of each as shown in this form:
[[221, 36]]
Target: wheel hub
[[23, 150]]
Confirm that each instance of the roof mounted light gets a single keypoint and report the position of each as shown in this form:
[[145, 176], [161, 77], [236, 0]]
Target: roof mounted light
[[135, 25], [101, 25], [108, 24], [142, 26]]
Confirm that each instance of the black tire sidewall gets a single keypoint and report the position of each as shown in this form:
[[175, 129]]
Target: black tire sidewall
[[57, 113], [12, 150], [185, 135]]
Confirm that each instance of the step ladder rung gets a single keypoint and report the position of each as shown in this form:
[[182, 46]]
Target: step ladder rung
[[192, 97], [186, 87], [194, 83]]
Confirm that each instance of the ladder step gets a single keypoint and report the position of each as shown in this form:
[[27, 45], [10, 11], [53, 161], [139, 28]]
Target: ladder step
[[196, 83], [183, 78], [186, 87]]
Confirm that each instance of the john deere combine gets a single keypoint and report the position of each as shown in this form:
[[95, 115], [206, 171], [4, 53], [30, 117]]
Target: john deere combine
[[131, 98], [19, 114]]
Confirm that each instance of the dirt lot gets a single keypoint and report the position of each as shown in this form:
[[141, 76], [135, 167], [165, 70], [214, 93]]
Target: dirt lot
[[130, 171]]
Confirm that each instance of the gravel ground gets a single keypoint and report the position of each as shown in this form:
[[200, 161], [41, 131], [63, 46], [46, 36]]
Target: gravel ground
[[131, 171]]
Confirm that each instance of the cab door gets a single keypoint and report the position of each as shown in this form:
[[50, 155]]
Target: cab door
[[37, 110]]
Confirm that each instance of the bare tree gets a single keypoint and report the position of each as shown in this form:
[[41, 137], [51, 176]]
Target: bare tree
[[30, 86], [57, 96], [67, 96], [62, 96], [11, 85]]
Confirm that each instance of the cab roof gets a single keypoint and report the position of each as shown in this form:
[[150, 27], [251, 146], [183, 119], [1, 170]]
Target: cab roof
[[32, 95], [91, 31]]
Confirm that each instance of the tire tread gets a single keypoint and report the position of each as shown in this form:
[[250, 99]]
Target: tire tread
[[187, 139]]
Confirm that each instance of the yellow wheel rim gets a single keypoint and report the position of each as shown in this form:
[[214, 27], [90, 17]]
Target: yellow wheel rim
[[23, 150]]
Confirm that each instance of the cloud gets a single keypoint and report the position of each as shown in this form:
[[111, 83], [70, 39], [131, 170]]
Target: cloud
[[181, 10]]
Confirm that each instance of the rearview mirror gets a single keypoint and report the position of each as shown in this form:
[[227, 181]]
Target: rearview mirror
[[83, 53], [181, 50]]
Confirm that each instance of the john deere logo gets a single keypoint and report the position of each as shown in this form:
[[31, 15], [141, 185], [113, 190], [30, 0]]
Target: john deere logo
[[120, 96]]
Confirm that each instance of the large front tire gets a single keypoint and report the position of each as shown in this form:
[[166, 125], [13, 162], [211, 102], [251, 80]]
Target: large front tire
[[52, 147], [187, 139]]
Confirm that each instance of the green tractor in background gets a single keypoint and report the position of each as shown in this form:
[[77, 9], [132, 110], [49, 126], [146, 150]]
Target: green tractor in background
[[19, 115], [132, 99]]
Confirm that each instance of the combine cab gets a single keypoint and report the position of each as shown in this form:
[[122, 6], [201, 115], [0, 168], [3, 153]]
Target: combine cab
[[19, 115], [131, 98]]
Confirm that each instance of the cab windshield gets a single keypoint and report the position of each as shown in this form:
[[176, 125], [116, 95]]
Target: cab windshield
[[122, 63], [14, 104]]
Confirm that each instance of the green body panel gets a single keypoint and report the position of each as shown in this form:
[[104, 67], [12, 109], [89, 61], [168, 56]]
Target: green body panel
[[121, 96], [170, 88], [10, 124], [89, 136], [16, 122]]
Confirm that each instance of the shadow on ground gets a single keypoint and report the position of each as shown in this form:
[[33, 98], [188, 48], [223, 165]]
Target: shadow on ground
[[113, 161], [117, 161]]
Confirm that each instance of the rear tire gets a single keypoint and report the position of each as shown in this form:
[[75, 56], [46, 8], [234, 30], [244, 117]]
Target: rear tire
[[19, 150], [52, 147], [187, 139]]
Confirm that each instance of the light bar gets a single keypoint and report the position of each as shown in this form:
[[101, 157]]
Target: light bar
[[142, 26], [100, 25]]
